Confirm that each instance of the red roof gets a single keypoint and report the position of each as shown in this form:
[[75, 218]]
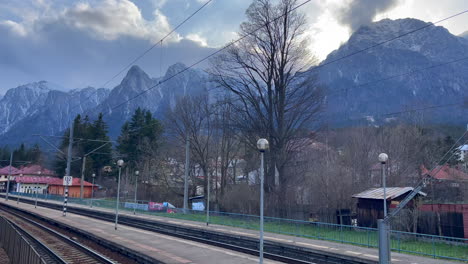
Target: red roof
[[445, 173], [34, 170], [35, 179], [48, 180], [6, 170]]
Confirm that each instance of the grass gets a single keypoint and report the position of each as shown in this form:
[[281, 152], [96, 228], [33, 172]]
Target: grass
[[431, 246]]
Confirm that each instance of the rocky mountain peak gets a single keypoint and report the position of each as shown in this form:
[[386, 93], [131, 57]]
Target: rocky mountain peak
[[419, 45], [135, 80], [174, 69], [426, 39]]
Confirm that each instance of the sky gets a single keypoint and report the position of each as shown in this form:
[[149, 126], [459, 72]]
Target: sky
[[81, 43]]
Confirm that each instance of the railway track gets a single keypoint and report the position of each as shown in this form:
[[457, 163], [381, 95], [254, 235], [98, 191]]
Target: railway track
[[53, 246], [272, 250]]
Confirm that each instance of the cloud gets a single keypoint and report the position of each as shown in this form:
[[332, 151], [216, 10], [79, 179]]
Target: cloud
[[197, 38], [14, 27], [87, 43], [112, 19], [361, 12]]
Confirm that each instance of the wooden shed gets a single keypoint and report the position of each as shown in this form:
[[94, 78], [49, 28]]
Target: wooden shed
[[56, 187], [370, 203]]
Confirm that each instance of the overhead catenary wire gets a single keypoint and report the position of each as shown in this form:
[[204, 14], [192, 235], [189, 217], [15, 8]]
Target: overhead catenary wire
[[258, 28], [144, 53], [250, 33]]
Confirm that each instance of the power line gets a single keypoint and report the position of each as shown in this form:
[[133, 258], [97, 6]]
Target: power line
[[159, 42], [209, 56], [252, 32], [148, 50], [255, 30]]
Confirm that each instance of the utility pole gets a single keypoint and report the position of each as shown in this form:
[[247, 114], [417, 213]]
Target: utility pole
[[83, 168], [9, 176], [208, 199], [68, 170], [187, 166]]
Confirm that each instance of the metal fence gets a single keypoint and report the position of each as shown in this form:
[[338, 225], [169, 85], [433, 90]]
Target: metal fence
[[16, 246], [404, 242]]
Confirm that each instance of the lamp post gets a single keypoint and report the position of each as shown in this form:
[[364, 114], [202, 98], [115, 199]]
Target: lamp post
[[136, 189], [383, 226], [262, 145], [120, 163], [92, 190], [383, 160]]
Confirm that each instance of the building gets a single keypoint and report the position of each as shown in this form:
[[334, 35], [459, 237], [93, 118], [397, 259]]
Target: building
[[33, 184], [370, 203], [463, 153], [4, 172], [34, 170], [56, 187], [451, 185]]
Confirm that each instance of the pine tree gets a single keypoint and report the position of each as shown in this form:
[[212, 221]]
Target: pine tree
[[103, 156], [84, 134], [141, 133]]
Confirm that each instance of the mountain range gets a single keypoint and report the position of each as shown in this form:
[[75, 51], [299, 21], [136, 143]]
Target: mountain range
[[416, 71]]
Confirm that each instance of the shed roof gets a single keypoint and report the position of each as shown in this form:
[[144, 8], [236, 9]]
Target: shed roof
[[390, 193]]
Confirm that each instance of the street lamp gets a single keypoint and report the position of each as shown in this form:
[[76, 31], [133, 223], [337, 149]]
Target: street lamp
[[120, 163], [383, 159], [92, 190], [262, 145], [383, 226], [136, 188]]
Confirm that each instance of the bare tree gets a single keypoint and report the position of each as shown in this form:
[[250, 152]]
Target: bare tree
[[272, 97], [191, 119]]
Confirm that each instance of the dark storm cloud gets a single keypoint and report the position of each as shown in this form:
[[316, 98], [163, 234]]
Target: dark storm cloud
[[362, 12]]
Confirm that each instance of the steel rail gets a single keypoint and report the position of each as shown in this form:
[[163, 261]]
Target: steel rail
[[47, 255], [273, 250], [87, 251]]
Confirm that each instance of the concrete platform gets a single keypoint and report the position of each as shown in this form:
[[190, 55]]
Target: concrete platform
[[326, 246], [164, 248]]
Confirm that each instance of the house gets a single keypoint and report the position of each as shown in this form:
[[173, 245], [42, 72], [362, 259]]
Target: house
[[34, 170], [463, 153], [4, 172], [370, 203], [33, 184], [56, 187], [451, 184]]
